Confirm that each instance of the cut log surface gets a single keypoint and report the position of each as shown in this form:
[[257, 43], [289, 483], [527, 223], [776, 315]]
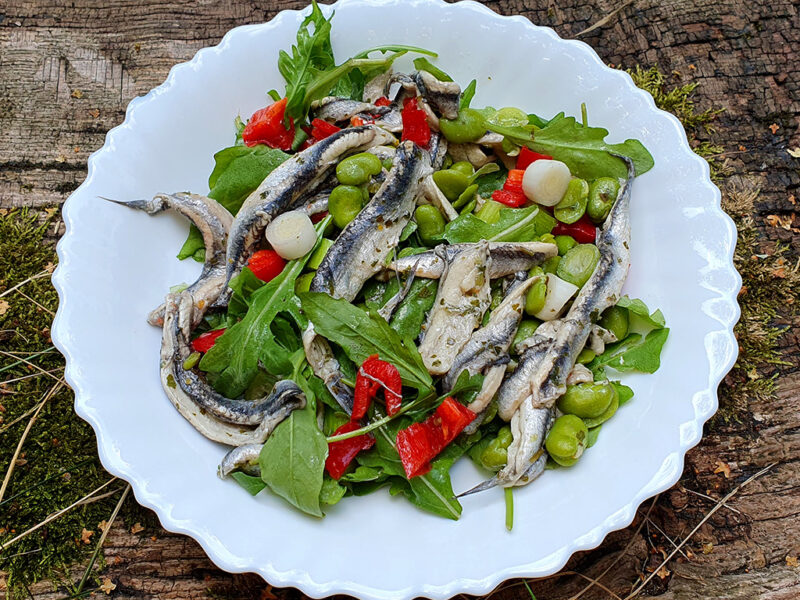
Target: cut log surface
[[69, 69]]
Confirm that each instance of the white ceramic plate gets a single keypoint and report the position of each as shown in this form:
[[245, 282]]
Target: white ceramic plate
[[115, 265]]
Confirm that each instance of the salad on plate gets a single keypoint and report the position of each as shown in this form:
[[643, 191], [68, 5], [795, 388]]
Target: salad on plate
[[394, 279]]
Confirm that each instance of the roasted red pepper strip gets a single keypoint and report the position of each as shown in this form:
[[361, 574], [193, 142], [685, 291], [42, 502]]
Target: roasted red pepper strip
[[513, 199], [383, 101], [321, 129], [419, 443], [415, 123], [318, 217], [583, 230], [266, 127], [527, 156], [374, 375], [514, 180], [266, 264], [342, 453], [205, 341]]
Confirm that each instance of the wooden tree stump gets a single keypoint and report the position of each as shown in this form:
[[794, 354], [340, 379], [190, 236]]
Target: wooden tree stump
[[68, 70]]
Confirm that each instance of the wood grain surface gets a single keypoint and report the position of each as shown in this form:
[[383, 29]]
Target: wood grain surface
[[69, 68]]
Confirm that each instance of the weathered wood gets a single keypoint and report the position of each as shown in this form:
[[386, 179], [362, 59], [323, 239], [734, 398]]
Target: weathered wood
[[67, 71]]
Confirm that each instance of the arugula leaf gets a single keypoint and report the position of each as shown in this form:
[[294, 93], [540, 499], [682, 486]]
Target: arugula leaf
[[467, 95], [238, 170], [252, 485], [513, 225], [361, 334], [236, 354], [491, 182], [332, 491], [292, 460], [591, 439], [244, 285], [466, 383], [623, 391], [362, 474], [423, 64], [409, 316], [634, 353], [642, 313], [585, 151]]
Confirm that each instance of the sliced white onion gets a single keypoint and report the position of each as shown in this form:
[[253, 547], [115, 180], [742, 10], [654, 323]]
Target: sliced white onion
[[291, 234], [558, 294], [546, 181]]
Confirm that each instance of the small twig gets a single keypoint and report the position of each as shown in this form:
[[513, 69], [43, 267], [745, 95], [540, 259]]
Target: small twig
[[29, 363], [16, 379], [719, 505], [22, 360], [54, 516], [44, 308], [707, 497], [669, 539], [102, 539], [28, 280], [47, 397], [605, 19]]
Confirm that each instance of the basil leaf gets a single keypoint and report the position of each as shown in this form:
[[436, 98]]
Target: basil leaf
[[409, 316], [642, 313], [513, 225], [585, 151], [362, 334], [252, 485], [238, 170], [634, 353], [236, 354], [293, 457]]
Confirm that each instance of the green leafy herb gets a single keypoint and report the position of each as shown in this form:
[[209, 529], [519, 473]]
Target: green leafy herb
[[509, 493], [363, 333], [238, 170], [591, 439], [244, 285], [332, 491], [252, 485], [423, 64], [585, 151], [468, 94], [491, 182], [513, 225], [293, 458], [362, 474], [623, 391], [634, 353], [639, 311], [235, 356], [409, 316]]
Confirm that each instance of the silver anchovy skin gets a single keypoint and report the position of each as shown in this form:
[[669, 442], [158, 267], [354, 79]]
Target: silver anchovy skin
[[316, 204], [243, 458], [507, 259], [438, 150], [335, 109], [290, 181], [444, 96], [214, 221], [462, 298], [357, 253], [174, 349]]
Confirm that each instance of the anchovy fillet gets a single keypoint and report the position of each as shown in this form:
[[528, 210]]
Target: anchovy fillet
[[335, 109], [290, 181], [462, 298], [444, 96], [507, 259], [243, 458], [174, 350], [214, 221]]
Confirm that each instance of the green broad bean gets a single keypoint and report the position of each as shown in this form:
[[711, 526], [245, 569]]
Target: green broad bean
[[430, 224], [573, 205], [357, 169], [535, 298], [303, 283], [387, 164], [565, 243], [609, 412], [586, 356], [465, 197], [452, 183], [316, 257], [467, 127], [525, 330], [567, 440], [551, 264], [191, 361], [509, 116], [495, 455], [602, 194], [587, 400], [344, 203], [615, 320], [577, 265], [464, 167]]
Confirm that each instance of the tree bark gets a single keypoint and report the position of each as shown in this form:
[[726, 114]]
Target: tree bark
[[68, 70]]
